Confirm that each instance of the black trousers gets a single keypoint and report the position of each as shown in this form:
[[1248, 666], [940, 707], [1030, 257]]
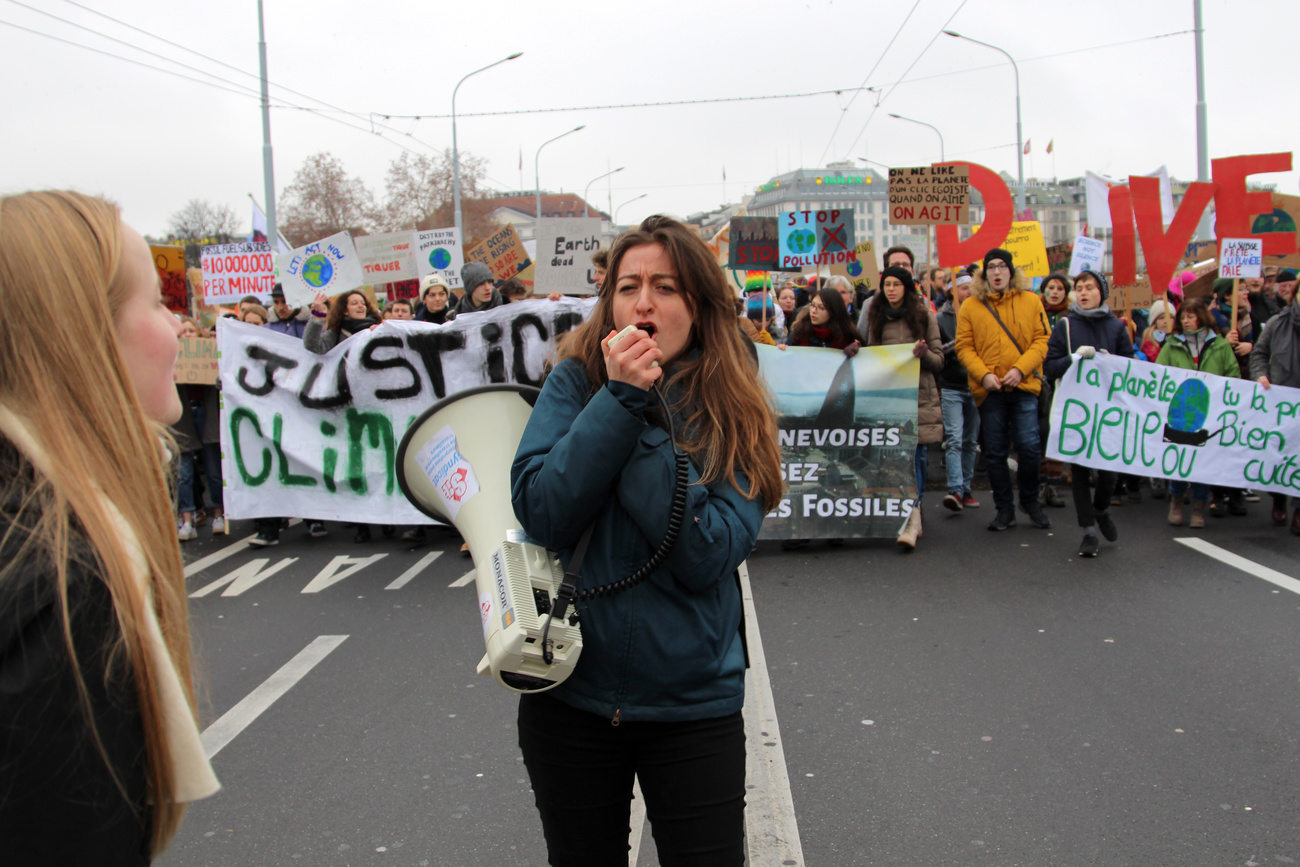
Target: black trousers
[[1086, 502], [581, 767]]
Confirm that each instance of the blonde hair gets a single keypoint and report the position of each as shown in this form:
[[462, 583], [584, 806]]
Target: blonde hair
[[100, 450]]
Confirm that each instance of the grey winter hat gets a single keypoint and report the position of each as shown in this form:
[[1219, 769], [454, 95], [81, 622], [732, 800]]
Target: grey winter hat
[[1102, 282], [472, 274]]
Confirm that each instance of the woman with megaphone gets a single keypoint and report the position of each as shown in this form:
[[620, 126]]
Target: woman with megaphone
[[658, 690]]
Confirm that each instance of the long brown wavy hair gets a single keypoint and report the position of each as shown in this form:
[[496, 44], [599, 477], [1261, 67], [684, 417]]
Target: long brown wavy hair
[[731, 424], [65, 376]]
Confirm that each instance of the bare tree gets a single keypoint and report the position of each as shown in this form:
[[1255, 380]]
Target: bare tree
[[420, 189], [201, 221], [323, 200]]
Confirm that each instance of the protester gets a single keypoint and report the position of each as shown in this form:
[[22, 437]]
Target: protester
[[479, 292], [434, 294], [253, 314], [1178, 285], [400, 309], [99, 749], [1242, 339], [900, 315], [841, 284], [939, 294], [1263, 307], [825, 323], [1275, 360], [664, 661], [785, 302], [348, 314], [599, 267], [1195, 345], [1162, 324], [1088, 328], [513, 290], [1284, 287], [900, 256], [961, 420], [759, 317], [292, 322], [1002, 341], [1055, 292]]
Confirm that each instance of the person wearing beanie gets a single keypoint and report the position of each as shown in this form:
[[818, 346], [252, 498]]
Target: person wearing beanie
[[435, 297], [1284, 287], [1088, 328], [480, 293], [1002, 341], [1178, 284]]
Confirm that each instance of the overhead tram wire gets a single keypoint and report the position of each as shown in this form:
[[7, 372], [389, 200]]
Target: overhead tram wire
[[865, 79]]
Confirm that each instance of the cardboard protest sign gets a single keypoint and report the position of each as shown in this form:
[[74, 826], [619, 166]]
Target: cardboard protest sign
[[1119, 414], [170, 264], [811, 238], [231, 271], [437, 251], [862, 271], [403, 290], [387, 257], [1058, 257], [1133, 296], [754, 243], [847, 430], [196, 361], [1024, 241], [1199, 251], [564, 248], [1086, 254], [936, 195], [502, 252], [330, 265], [1285, 218], [1241, 257]]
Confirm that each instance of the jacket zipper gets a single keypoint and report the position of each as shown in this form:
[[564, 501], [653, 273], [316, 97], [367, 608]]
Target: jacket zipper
[[614, 722]]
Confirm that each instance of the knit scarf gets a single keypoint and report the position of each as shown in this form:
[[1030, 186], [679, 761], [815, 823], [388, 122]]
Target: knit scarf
[[355, 326]]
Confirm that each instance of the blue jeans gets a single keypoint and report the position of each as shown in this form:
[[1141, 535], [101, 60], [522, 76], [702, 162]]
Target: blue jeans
[[1199, 491], [211, 456], [922, 466], [1011, 417], [185, 483], [961, 426]]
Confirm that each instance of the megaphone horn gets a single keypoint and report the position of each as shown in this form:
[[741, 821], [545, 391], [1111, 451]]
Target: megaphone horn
[[453, 465]]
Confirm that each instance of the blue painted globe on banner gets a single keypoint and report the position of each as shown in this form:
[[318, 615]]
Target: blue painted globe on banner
[[801, 241], [318, 272], [854, 269], [1190, 406], [440, 259]]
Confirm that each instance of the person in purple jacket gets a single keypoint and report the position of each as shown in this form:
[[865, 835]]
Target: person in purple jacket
[[283, 319]]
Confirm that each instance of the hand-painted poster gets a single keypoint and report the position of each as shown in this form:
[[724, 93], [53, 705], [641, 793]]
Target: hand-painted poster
[[170, 263], [1150, 420], [753, 245], [812, 238], [848, 440]]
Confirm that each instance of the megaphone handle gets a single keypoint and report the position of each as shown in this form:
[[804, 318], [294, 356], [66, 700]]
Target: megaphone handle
[[568, 590]]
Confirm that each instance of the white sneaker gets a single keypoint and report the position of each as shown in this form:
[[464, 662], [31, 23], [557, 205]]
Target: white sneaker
[[218, 525], [186, 532]]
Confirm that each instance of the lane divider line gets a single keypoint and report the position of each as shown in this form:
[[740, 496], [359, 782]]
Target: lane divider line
[[419, 567], [464, 580], [229, 551], [216, 736], [1286, 582]]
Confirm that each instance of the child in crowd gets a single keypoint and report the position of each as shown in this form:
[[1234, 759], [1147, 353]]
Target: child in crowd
[[1162, 325]]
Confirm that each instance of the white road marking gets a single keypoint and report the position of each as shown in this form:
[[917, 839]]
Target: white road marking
[[338, 569], [229, 551], [770, 823], [405, 577], [216, 736], [244, 578], [636, 823], [1286, 582], [464, 580]]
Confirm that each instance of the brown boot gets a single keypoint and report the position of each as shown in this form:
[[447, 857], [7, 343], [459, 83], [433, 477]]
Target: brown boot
[[1176, 509], [912, 529], [1198, 515]]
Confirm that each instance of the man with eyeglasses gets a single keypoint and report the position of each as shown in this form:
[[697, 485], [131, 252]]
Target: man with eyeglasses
[[1002, 342]]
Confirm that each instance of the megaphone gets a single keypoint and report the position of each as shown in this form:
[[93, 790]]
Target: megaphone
[[453, 465]]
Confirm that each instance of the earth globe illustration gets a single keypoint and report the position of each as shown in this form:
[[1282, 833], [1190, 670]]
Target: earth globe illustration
[[854, 269], [801, 241], [1278, 221], [317, 272], [440, 259], [1188, 410]]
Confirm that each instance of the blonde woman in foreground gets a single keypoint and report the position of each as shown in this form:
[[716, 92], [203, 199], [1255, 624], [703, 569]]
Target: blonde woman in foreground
[[99, 750]]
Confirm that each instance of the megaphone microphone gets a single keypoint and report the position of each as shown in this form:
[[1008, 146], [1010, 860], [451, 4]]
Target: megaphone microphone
[[453, 465]]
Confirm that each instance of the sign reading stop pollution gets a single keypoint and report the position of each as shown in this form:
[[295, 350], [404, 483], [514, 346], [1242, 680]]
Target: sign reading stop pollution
[[811, 238], [437, 251], [503, 253], [929, 195], [231, 271], [388, 257], [330, 266], [170, 264]]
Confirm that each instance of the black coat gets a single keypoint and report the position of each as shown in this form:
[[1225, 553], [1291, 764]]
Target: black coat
[[59, 804], [1106, 333]]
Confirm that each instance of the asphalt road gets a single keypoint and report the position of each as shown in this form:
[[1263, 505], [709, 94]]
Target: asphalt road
[[988, 699]]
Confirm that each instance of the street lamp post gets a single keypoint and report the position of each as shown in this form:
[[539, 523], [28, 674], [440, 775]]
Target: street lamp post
[[537, 174], [455, 152], [942, 158], [585, 209], [1020, 141], [628, 202]]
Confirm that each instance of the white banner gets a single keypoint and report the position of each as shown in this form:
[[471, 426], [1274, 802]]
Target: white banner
[[388, 257], [563, 256], [231, 271], [438, 251], [1097, 192], [316, 436], [1135, 417], [331, 265]]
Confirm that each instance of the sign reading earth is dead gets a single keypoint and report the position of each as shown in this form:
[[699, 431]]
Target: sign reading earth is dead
[[328, 266]]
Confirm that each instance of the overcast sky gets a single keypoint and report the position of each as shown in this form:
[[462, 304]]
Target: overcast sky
[[1113, 98]]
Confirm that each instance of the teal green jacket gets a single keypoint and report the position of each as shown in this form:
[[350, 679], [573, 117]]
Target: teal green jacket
[[671, 648], [1217, 356]]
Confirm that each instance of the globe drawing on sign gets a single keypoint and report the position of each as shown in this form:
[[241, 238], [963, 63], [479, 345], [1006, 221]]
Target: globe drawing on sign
[[801, 241], [1188, 410], [317, 272], [1278, 221], [854, 269], [440, 259]]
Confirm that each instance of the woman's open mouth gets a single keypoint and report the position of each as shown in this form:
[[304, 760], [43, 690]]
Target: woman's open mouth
[[647, 327]]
